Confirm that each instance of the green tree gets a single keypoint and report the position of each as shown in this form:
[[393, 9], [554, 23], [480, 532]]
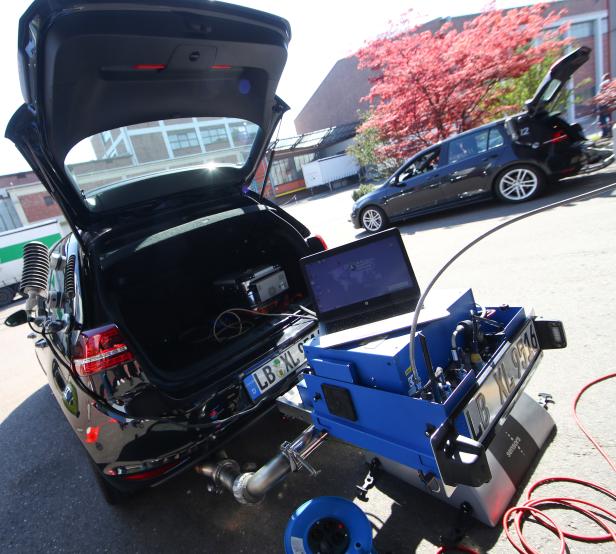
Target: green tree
[[516, 91], [367, 147], [366, 144]]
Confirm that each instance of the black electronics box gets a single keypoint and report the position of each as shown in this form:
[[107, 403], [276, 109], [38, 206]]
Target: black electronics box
[[252, 288]]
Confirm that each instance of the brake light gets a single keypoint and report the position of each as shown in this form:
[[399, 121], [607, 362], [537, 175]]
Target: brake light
[[100, 349], [149, 66], [220, 66], [316, 243], [557, 136], [322, 241]]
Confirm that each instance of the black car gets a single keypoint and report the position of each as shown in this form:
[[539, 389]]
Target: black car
[[147, 363], [512, 159]]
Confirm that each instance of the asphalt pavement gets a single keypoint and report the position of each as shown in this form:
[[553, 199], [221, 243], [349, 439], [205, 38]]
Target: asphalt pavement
[[562, 262]]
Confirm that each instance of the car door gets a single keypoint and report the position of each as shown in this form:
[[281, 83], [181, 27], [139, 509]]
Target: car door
[[472, 162], [414, 187]]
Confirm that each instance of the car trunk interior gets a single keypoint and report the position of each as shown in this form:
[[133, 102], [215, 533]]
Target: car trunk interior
[[164, 291]]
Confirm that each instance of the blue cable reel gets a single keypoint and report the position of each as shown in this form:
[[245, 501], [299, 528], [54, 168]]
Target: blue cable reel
[[328, 525]]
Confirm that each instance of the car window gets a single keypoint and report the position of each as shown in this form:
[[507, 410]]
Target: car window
[[468, 145], [421, 164], [550, 90], [117, 157], [496, 138]]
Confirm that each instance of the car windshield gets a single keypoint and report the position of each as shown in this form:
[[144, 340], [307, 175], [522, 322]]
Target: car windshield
[[112, 158]]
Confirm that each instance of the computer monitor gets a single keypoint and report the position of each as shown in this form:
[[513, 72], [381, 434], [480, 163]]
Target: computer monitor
[[371, 276]]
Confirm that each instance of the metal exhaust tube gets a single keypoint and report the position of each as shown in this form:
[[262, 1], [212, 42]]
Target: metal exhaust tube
[[251, 488]]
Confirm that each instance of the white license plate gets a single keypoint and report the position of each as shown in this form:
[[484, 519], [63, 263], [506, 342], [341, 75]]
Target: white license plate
[[276, 369], [500, 383]]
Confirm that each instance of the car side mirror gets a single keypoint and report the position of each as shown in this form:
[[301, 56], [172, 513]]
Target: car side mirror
[[15, 319]]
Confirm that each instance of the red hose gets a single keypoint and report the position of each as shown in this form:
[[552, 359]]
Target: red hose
[[516, 514], [579, 423]]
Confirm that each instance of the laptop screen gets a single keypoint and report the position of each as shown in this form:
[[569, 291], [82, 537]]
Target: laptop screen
[[370, 273]]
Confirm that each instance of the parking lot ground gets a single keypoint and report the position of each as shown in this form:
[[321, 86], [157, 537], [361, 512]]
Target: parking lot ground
[[562, 262]]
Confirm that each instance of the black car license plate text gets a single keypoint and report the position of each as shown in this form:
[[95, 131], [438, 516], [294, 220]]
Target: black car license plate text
[[501, 382]]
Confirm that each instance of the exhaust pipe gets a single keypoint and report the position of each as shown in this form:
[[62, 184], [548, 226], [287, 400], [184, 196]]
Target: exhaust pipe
[[251, 487]]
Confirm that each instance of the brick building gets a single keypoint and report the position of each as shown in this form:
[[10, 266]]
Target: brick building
[[23, 200], [337, 100]]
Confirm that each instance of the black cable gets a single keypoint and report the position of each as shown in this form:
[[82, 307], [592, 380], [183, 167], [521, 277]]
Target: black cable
[[420, 303]]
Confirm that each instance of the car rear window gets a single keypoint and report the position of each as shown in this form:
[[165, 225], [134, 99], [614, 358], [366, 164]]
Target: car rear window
[[157, 147]]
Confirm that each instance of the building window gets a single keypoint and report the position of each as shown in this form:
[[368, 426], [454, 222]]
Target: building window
[[243, 133], [283, 171], [48, 200], [215, 138], [582, 30], [302, 160], [183, 139]]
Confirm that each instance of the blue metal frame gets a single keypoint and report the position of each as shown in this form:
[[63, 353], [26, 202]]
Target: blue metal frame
[[390, 421]]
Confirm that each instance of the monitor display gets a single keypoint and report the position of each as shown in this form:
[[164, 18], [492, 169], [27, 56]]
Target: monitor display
[[359, 273]]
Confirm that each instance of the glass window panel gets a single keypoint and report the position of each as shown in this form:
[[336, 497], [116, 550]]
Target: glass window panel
[[496, 138], [582, 30], [468, 146]]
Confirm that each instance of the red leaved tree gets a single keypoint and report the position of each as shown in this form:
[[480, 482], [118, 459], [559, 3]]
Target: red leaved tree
[[430, 85]]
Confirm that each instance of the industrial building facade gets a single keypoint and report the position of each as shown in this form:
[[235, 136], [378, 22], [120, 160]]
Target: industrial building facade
[[325, 127], [338, 99]]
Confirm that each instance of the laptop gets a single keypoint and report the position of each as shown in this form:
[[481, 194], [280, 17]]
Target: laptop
[[362, 289]]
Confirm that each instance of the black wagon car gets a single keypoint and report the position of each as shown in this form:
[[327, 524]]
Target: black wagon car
[[146, 362], [511, 159]]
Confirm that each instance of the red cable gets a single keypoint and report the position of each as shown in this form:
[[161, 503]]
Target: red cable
[[517, 513], [579, 423]]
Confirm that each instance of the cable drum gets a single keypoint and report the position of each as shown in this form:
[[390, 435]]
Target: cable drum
[[35, 270]]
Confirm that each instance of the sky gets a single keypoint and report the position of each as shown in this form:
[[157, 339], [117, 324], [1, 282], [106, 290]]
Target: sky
[[323, 32]]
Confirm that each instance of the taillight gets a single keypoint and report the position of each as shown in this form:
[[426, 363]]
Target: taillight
[[316, 243], [557, 136], [100, 349], [149, 66]]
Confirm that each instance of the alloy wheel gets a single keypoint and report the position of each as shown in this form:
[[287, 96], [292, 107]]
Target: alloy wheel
[[372, 220], [518, 184]]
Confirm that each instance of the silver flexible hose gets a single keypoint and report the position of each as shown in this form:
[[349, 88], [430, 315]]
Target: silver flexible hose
[[422, 299]]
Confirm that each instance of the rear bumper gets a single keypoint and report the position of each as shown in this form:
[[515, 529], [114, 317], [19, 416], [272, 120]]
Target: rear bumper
[[135, 453]]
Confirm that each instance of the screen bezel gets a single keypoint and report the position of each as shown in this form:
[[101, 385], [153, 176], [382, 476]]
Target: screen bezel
[[408, 296]]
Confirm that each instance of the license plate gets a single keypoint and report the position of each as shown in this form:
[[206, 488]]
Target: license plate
[[276, 369], [501, 382]]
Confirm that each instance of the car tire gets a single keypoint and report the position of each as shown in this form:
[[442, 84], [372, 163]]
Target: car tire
[[519, 183], [112, 496], [373, 219]]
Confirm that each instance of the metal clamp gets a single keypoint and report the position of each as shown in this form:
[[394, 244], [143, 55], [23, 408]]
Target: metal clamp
[[296, 460], [545, 399], [369, 481]]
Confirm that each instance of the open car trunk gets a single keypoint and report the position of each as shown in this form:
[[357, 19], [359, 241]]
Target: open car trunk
[[164, 292]]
